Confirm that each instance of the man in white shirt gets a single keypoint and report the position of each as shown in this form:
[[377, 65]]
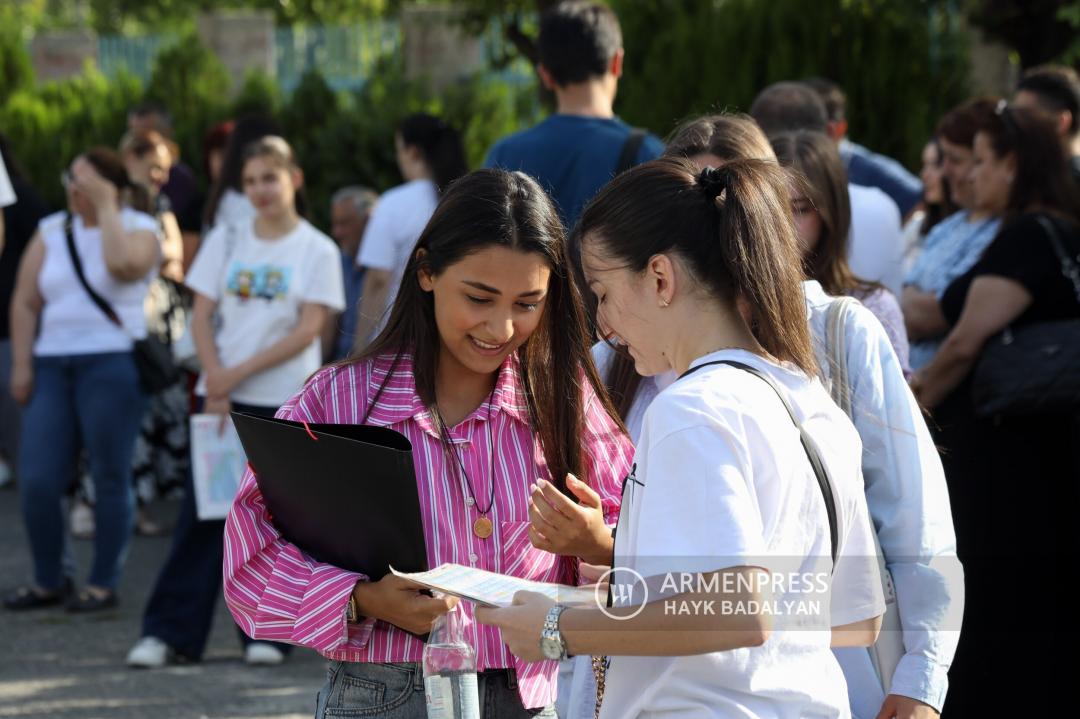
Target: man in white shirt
[[876, 249]]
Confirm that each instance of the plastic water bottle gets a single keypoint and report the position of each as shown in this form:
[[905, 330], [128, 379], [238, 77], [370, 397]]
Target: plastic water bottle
[[450, 671]]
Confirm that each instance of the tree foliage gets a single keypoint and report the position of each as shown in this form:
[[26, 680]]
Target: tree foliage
[[340, 138], [1039, 31]]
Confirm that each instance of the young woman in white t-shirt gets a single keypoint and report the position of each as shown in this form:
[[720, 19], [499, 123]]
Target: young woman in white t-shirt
[[74, 369], [271, 283], [692, 271]]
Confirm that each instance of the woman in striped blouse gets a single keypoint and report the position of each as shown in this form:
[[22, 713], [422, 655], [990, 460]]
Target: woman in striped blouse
[[484, 365]]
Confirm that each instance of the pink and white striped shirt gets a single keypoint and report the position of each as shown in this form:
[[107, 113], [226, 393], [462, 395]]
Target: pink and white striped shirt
[[276, 592]]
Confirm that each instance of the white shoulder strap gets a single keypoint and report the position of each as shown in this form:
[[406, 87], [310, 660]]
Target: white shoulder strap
[[836, 351]]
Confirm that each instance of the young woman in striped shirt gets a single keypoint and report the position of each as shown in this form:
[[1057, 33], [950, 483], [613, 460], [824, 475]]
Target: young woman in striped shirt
[[484, 365]]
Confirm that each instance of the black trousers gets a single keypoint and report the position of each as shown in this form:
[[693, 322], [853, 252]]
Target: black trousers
[[181, 609]]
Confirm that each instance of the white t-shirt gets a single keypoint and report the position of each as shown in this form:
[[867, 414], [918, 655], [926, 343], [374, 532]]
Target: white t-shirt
[[721, 480], [71, 324], [7, 192], [876, 251], [395, 225], [260, 286], [234, 208]]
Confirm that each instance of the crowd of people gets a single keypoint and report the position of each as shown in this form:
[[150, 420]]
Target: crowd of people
[[754, 348]]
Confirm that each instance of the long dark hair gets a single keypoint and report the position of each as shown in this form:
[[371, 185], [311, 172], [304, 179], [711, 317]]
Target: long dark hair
[[731, 225], [1042, 171], [439, 144], [493, 208], [820, 171], [248, 129], [937, 211]]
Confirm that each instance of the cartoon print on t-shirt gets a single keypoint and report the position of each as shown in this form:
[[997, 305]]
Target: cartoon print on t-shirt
[[276, 286], [241, 282], [265, 282]]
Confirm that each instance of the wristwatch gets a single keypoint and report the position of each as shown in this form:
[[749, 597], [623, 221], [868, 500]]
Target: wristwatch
[[552, 644]]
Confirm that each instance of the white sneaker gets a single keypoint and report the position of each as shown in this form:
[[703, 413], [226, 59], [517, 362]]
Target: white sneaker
[[263, 653], [149, 653]]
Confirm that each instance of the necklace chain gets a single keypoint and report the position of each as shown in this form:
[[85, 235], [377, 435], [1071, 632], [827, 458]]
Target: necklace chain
[[445, 432]]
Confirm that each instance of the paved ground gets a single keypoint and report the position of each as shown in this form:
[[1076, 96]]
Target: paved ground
[[56, 665]]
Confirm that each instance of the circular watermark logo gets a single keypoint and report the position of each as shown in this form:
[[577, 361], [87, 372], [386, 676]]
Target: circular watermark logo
[[623, 594]]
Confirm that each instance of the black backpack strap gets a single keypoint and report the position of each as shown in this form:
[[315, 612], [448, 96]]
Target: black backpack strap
[[100, 301], [807, 442], [630, 149]]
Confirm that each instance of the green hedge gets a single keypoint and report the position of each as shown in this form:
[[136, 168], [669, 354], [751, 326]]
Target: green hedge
[[340, 138], [902, 63]]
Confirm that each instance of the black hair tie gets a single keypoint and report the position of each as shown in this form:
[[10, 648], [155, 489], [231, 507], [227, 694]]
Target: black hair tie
[[714, 183]]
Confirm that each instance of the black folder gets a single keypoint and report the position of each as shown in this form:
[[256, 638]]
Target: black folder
[[343, 493]]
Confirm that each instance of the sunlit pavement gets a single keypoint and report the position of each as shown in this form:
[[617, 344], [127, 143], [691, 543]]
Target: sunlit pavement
[[57, 665]]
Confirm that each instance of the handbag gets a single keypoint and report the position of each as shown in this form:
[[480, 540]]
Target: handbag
[[1034, 368], [153, 355], [888, 650]]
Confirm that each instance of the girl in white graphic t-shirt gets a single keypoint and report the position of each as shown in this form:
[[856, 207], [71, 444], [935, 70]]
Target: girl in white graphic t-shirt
[[263, 289], [755, 561]]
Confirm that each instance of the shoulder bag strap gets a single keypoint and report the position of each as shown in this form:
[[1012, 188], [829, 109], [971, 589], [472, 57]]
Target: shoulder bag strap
[[100, 301], [807, 442], [836, 351], [1069, 267], [630, 149]]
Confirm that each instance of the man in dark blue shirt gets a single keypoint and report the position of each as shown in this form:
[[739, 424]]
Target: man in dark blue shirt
[[577, 150]]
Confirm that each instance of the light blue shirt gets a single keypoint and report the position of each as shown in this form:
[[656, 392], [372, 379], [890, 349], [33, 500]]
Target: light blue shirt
[[908, 501], [952, 248]]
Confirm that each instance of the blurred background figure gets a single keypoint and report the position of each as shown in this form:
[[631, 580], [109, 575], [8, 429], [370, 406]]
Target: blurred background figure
[[161, 451], [19, 218], [350, 210], [819, 202], [1021, 171], [74, 370], [863, 166], [876, 248], [936, 203], [181, 187], [430, 156], [956, 243], [1055, 90]]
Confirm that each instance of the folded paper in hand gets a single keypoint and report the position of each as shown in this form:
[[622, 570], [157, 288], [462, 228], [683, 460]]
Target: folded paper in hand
[[495, 590]]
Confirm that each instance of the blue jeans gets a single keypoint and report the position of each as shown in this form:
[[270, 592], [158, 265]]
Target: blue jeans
[[396, 691], [91, 401], [180, 611]]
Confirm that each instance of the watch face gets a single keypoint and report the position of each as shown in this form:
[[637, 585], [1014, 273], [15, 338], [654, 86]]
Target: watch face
[[551, 647]]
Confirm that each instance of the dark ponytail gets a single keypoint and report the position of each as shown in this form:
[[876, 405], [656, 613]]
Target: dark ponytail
[[732, 226], [439, 144]]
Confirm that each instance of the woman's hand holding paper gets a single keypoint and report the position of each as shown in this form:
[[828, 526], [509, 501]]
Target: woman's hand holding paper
[[520, 624], [399, 602], [562, 527]]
